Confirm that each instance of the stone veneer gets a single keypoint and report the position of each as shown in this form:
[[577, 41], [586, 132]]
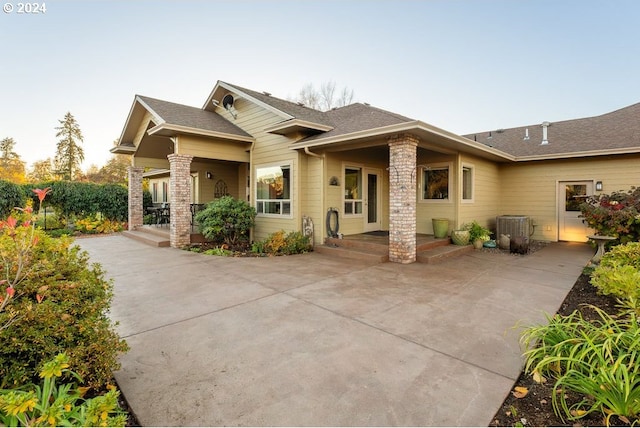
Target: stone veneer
[[180, 200], [136, 205], [402, 198]]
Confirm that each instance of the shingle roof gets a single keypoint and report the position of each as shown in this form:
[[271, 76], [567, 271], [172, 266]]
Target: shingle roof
[[192, 117], [619, 129], [358, 117], [291, 108]]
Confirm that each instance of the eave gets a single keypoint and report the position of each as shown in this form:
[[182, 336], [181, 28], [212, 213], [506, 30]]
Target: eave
[[170, 130], [297, 125]]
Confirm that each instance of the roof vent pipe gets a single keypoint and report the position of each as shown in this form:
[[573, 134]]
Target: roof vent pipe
[[545, 140], [526, 134]]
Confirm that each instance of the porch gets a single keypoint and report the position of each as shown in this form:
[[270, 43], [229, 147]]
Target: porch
[[374, 246]]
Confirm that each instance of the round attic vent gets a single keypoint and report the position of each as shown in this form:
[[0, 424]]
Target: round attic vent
[[227, 101]]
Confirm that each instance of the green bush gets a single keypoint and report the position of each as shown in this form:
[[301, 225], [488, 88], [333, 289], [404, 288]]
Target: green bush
[[227, 220], [76, 199], [618, 274], [282, 243], [11, 196], [59, 303]]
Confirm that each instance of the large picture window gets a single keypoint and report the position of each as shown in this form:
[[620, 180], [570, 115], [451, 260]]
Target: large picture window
[[352, 191], [436, 183], [273, 190]]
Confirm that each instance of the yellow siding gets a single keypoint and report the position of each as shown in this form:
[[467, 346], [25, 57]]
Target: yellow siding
[[213, 149], [428, 210], [531, 188], [485, 204], [225, 171], [142, 129], [268, 150], [151, 162]]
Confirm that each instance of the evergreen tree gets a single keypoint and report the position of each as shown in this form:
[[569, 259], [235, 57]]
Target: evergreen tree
[[41, 171], [69, 153], [11, 166]]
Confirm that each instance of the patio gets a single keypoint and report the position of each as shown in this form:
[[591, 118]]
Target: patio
[[315, 340]]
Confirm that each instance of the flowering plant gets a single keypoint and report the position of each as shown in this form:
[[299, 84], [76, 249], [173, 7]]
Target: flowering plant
[[617, 214]]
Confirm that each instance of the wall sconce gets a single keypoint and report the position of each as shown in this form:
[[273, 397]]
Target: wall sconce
[[209, 175], [599, 186]]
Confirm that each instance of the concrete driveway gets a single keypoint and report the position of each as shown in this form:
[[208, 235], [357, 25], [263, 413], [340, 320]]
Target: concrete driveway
[[311, 340]]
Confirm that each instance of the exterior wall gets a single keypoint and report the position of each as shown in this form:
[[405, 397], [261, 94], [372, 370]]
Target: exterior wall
[[269, 149], [531, 188], [485, 204], [335, 164], [226, 171], [314, 183], [205, 147], [428, 210]]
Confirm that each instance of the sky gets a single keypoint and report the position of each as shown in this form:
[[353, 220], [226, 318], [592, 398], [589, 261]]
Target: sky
[[462, 65]]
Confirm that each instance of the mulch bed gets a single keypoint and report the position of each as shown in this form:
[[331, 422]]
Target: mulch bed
[[535, 409]]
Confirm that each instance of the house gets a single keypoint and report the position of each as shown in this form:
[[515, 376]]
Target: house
[[379, 170]]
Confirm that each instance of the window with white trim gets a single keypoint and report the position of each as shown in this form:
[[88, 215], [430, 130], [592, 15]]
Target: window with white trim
[[273, 190], [436, 182], [352, 191], [467, 183]]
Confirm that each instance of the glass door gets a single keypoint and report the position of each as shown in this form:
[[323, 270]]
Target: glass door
[[372, 202], [570, 225]]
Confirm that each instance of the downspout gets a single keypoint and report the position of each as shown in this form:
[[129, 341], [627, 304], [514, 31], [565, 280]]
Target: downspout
[[322, 157], [253, 143]]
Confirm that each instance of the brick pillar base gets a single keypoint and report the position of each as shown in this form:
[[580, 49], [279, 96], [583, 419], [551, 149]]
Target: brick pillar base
[[180, 199], [135, 197], [402, 198]]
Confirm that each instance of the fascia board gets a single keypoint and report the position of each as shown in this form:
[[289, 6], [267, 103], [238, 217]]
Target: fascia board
[[205, 133]]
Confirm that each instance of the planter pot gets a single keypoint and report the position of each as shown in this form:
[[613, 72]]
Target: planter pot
[[440, 227], [460, 237], [477, 244]]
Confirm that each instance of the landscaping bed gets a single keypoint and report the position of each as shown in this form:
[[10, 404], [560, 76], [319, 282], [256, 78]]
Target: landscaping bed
[[535, 409]]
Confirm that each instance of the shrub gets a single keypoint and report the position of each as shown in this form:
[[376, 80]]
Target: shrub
[[55, 302], [227, 220], [619, 275], [617, 214], [11, 196], [282, 243]]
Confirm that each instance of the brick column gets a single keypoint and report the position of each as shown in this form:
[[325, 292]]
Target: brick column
[[135, 197], [180, 200], [402, 198]]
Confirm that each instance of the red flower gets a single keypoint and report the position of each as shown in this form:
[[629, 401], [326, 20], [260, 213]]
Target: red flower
[[11, 222], [39, 298], [42, 193], [11, 291]]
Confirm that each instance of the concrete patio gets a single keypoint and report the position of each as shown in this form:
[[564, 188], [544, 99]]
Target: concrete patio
[[312, 340]]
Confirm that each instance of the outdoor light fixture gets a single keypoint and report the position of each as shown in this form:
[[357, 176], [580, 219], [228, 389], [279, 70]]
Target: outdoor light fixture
[[209, 175], [599, 186]]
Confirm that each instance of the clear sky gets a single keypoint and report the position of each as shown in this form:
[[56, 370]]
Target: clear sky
[[463, 65]]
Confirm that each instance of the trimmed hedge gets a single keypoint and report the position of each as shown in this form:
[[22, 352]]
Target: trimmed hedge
[[11, 196]]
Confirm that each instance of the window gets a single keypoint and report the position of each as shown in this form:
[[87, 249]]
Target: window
[[165, 191], [273, 190], [154, 195], [352, 191], [467, 183], [435, 183]]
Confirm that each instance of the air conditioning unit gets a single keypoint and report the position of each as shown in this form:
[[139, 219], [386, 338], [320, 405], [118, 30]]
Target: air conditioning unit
[[513, 225]]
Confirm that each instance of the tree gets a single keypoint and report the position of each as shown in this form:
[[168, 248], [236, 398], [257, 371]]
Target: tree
[[325, 98], [41, 171], [113, 172], [11, 166], [69, 153]]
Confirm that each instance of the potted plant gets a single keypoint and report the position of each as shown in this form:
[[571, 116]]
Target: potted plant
[[478, 234], [460, 237]]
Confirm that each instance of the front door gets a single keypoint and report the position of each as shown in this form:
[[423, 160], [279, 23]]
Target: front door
[[372, 202], [570, 225]]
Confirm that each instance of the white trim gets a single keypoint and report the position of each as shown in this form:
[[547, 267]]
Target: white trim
[[228, 87], [297, 122], [472, 167], [290, 164], [360, 168], [196, 131], [436, 165]]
